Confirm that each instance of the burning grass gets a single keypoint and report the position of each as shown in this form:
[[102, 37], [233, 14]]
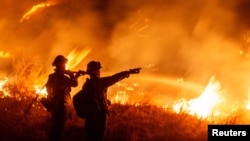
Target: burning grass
[[24, 118]]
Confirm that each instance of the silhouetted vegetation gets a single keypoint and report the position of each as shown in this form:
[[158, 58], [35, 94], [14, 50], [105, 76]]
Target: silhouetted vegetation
[[19, 121]]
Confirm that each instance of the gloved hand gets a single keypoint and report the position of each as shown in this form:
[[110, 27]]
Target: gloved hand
[[79, 73], [135, 71]]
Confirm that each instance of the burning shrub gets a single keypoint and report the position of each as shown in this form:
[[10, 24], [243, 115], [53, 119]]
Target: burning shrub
[[26, 73]]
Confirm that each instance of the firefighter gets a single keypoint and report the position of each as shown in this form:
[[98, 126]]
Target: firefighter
[[58, 87], [95, 123]]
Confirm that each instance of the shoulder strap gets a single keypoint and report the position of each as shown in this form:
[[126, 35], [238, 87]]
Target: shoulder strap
[[89, 88]]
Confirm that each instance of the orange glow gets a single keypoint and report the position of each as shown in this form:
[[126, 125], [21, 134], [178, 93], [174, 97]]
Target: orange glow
[[34, 9], [248, 101], [41, 91], [120, 97], [248, 106], [4, 54], [76, 56], [2, 90], [204, 104]]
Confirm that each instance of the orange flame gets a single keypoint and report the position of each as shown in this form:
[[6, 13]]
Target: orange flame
[[4, 54], [41, 91], [76, 56], [2, 83], [120, 97], [34, 9], [203, 105]]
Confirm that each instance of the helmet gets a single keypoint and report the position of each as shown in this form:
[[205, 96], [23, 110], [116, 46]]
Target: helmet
[[60, 59], [93, 65]]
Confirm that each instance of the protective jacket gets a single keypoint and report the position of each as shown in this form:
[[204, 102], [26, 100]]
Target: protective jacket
[[59, 86], [95, 123]]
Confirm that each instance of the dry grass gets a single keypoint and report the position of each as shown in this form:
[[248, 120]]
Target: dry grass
[[149, 123], [126, 123], [26, 119]]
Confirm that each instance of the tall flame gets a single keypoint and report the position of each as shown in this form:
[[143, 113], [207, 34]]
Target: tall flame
[[76, 56], [204, 104]]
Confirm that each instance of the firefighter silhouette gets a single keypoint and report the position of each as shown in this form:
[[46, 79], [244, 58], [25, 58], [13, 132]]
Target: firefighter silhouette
[[58, 87], [95, 123]]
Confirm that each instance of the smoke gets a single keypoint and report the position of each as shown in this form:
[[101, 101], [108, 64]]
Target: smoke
[[190, 39]]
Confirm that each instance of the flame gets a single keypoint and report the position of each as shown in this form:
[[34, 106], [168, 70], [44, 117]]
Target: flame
[[4, 54], [122, 94], [2, 90], [248, 106], [202, 106], [76, 56], [35, 8], [120, 97], [41, 91]]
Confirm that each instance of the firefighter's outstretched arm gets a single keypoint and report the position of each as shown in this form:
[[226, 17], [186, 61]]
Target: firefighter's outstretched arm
[[135, 71], [121, 75]]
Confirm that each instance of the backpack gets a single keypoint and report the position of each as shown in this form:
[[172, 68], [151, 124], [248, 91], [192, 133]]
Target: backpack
[[81, 100]]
